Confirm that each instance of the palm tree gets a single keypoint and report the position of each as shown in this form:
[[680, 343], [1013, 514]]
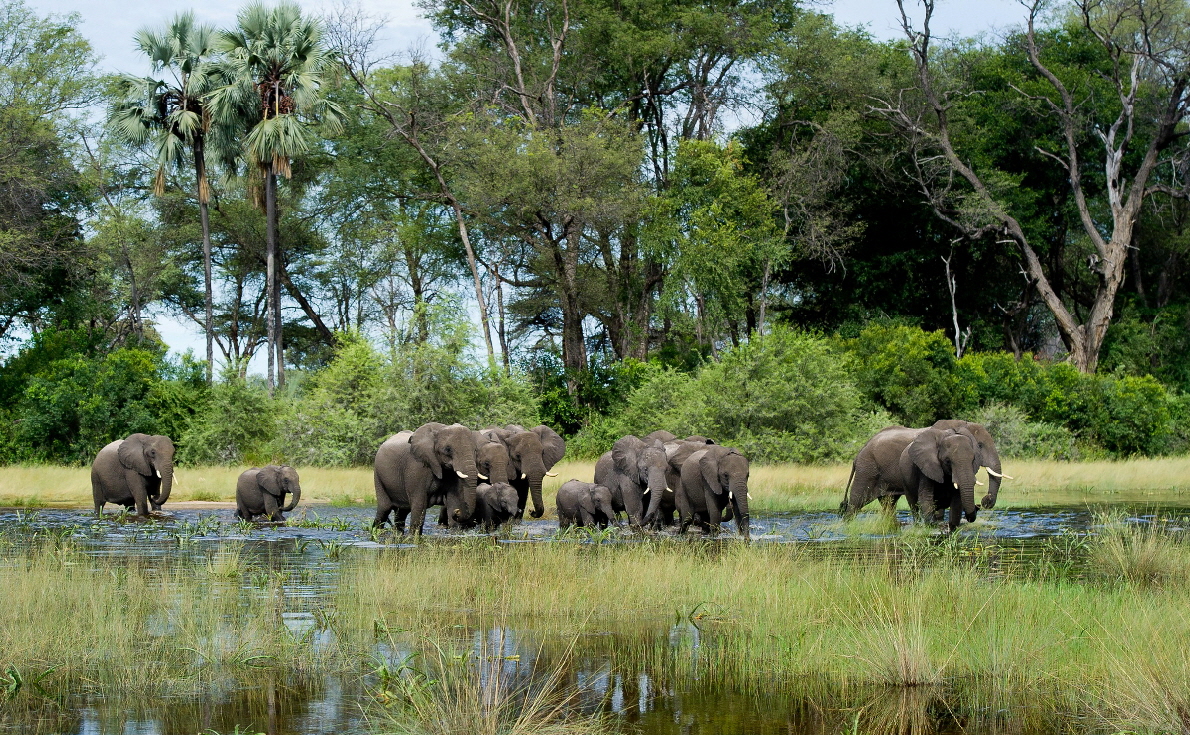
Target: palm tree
[[168, 115], [274, 69]]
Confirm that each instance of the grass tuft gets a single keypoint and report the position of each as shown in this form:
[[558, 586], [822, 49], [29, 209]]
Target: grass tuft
[[1139, 554]]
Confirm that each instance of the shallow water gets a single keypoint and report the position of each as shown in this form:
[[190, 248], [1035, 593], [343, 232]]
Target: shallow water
[[308, 560]]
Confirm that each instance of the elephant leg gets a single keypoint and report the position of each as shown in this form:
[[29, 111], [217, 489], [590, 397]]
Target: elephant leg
[[444, 517], [587, 518], [140, 494], [272, 510], [399, 516], [956, 512], [633, 503], [417, 513], [925, 500], [384, 506], [97, 496]]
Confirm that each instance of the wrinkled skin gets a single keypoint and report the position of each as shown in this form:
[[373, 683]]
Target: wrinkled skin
[[714, 480], [532, 454], [495, 505], [410, 467], [491, 461], [925, 465], [988, 456], [137, 472], [584, 504], [661, 435], [261, 491], [676, 452], [634, 471]]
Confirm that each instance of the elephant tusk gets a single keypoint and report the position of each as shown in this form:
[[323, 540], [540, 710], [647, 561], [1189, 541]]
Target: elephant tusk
[[977, 482], [669, 489], [482, 477], [158, 472], [993, 473], [956, 486], [524, 476], [730, 495], [749, 496], [461, 475], [551, 474]]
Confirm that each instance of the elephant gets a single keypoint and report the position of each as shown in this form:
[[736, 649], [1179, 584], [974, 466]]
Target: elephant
[[134, 472], [631, 470], [926, 465], [409, 471], [714, 479], [989, 458], [584, 504], [491, 466], [532, 454], [676, 452], [660, 435], [261, 491], [495, 505]]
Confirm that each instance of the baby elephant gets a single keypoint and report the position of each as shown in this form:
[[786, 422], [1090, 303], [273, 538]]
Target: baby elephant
[[495, 505], [261, 491], [584, 504]]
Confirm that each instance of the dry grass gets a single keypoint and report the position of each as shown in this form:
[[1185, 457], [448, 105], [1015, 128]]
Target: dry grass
[[773, 487]]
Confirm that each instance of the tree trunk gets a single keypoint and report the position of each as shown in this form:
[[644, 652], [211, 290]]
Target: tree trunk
[[270, 215], [200, 166], [500, 323]]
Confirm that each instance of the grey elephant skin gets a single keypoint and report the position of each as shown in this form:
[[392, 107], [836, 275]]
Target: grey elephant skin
[[634, 471], [491, 466], [410, 467], [676, 453], [261, 491], [926, 465], [714, 480], [137, 472], [584, 504], [532, 454], [495, 505]]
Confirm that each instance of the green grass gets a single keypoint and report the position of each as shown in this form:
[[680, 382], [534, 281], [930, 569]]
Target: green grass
[[1163, 481]]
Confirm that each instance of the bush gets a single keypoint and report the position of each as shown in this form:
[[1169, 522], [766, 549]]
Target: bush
[[234, 427], [1017, 436], [906, 371]]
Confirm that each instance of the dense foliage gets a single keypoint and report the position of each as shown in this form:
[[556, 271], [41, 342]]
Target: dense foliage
[[566, 216]]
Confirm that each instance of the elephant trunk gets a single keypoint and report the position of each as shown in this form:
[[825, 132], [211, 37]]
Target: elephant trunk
[[989, 500], [297, 496], [468, 483], [656, 487], [536, 473], [966, 483], [167, 481], [738, 488]]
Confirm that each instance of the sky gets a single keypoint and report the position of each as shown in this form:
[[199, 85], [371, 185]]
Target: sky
[[110, 24]]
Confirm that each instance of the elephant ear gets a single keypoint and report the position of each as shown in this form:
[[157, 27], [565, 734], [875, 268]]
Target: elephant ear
[[422, 446], [552, 443], [269, 479], [924, 453], [132, 454], [624, 454], [709, 466]]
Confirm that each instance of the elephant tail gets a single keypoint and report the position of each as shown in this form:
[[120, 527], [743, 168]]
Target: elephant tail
[[847, 492]]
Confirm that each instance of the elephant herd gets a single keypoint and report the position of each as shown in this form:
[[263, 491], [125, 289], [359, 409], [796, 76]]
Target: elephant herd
[[487, 477]]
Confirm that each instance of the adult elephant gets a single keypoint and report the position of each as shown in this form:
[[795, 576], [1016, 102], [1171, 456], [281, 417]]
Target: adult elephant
[[532, 454], [134, 472], [491, 466], [409, 471], [660, 435], [262, 490], [676, 453], [714, 480], [989, 458], [631, 470], [923, 464]]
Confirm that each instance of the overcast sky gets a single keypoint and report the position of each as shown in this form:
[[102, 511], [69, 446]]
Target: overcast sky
[[109, 24]]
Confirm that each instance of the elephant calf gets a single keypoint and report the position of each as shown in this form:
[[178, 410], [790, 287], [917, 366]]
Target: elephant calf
[[584, 504], [495, 505], [261, 491]]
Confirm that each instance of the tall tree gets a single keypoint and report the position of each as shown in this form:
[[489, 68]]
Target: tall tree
[[169, 115], [274, 71]]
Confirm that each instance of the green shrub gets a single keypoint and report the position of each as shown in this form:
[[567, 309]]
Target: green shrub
[[1016, 436], [1135, 416], [907, 371], [234, 427]]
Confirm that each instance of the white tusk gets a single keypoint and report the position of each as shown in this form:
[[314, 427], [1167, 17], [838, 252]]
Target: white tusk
[[482, 477], [977, 482], [551, 474], [730, 495], [993, 473], [669, 490], [460, 474], [524, 476], [749, 496], [956, 486], [158, 474]]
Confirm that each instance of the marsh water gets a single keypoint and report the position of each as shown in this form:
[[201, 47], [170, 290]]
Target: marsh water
[[308, 558]]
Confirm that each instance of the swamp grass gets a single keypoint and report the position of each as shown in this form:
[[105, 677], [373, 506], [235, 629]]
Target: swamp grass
[[1159, 481], [980, 628]]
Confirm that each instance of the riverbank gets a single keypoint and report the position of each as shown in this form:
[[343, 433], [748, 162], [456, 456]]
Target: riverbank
[[1162, 481]]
